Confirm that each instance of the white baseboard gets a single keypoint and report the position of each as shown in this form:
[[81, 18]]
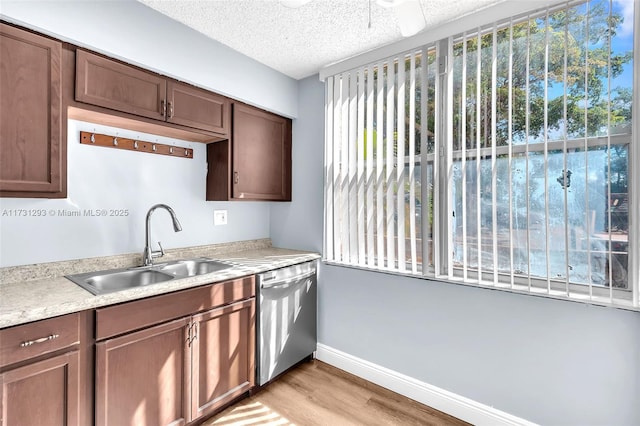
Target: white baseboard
[[440, 399]]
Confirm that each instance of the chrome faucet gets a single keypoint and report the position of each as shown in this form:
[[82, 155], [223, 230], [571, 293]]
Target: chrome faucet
[[149, 254]]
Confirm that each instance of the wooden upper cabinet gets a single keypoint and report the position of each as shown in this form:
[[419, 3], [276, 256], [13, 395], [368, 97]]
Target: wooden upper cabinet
[[32, 119], [260, 155], [198, 108], [110, 84]]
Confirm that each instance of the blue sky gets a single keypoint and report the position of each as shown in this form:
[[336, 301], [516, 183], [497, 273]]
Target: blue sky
[[624, 40]]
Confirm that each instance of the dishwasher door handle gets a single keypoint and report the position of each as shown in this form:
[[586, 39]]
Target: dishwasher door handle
[[286, 282]]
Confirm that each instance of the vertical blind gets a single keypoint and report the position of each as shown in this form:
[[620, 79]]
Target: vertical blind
[[540, 155], [380, 163], [500, 157]]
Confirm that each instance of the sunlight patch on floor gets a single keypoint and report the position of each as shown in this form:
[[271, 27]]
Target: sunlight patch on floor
[[254, 413]]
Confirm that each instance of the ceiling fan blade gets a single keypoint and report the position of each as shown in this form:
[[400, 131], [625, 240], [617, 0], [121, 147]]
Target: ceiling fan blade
[[410, 17], [409, 13]]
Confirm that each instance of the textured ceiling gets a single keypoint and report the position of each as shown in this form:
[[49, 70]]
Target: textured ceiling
[[298, 42]]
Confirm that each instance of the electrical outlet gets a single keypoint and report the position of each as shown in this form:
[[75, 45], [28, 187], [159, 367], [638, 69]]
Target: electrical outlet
[[219, 217]]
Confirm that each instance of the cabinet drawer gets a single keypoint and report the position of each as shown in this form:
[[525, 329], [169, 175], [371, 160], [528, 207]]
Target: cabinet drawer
[[119, 319], [30, 340]]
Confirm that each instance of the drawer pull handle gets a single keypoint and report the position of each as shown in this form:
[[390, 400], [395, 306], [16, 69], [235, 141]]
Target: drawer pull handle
[[40, 340]]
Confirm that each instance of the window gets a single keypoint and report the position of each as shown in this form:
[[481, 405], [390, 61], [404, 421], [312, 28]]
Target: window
[[500, 157]]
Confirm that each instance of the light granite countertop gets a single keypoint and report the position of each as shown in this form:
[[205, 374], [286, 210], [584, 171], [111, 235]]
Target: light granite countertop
[[35, 292]]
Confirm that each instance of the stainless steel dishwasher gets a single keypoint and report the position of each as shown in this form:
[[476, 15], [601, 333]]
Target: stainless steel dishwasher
[[286, 319]]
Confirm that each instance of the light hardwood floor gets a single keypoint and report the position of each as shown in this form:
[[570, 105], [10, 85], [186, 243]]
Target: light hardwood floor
[[317, 394]]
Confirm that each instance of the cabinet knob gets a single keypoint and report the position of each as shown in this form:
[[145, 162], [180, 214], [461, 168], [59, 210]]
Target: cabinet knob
[[163, 108], [170, 109], [235, 177]]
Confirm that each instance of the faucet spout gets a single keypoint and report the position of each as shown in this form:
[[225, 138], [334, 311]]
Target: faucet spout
[[149, 254]]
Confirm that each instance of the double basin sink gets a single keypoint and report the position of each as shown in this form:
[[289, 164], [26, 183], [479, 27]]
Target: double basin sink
[[102, 282]]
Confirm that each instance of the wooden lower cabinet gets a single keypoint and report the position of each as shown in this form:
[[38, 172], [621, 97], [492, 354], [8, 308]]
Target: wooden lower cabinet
[[222, 356], [178, 371], [46, 372], [44, 392], [141, 377]]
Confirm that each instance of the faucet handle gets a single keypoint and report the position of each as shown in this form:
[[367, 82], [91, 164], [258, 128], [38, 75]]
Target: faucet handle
[[161, 249]]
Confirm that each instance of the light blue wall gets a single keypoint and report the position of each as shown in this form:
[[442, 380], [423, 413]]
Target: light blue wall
[[551, 362], [548, 361], [299, 224]]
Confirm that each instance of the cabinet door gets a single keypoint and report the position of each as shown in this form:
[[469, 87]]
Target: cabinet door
[[142, 378], [197, 108], [223, 356], [110, 84], [31, 118], [42, 393], [261, 155]]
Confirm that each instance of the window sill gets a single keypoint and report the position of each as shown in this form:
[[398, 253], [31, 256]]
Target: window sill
[[536, 292]]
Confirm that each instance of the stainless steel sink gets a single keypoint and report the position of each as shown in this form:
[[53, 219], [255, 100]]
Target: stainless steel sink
[[127, 279], [193, 267], [102, 282]]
